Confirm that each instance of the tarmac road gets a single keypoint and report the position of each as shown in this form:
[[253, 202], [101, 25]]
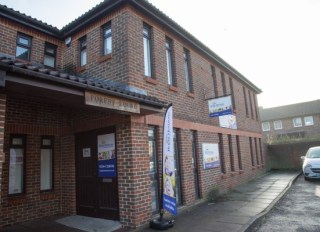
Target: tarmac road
[[298, 210]]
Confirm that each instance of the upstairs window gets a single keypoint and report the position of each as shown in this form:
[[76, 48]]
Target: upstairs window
[[23, 50], [169, 61], [187, 70], [265, 126], [297, 122], [308, 121], [277, 125], [83, 51], [223, 82], [214, 82], [147, 50], [50, 53], [107, 39]]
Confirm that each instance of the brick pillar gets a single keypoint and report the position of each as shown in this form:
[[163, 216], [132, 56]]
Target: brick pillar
[[133, 173], [2, 123]]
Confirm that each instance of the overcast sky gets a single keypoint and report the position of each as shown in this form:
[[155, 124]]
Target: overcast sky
[[273, 43]]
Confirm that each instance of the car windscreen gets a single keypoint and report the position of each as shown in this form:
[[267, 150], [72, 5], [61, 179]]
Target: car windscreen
[[313, 153]]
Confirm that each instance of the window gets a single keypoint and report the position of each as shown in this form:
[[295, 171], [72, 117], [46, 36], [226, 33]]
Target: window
[[186, 57], [46, 164], [308, 121], [214, 82], [169, 61], [251, 151], [107, 39], [260, 149], [147, 50], [17, 164], [195, 164], [250, 102], [232, 94], [177, 167], [223, 82], [50, 53], [297, 122], [23, 49], [256, 149], [221, 152], [239, 152], [153, 169], [246, 101], [83, 51], [231, 153], [277, 125], [265, 126]]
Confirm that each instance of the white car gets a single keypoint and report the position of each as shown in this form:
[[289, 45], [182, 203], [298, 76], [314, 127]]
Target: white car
[[311, 163]]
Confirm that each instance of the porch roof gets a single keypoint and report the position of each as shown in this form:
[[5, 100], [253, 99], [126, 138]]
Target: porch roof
[[40, 73]]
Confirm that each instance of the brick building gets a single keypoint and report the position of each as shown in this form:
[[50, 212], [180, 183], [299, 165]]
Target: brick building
[[105, 79], [296, 121]]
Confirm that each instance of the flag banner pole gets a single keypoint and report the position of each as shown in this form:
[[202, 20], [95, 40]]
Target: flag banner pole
[[168, 187]]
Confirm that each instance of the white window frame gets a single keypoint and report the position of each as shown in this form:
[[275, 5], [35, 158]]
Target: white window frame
[[17, 165], [147, 50], [309, 122], [264, 128], [46, 164], [295, 124], [277, 125]]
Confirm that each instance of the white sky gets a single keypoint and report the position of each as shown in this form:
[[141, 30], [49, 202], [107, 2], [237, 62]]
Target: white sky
[[273, 43]]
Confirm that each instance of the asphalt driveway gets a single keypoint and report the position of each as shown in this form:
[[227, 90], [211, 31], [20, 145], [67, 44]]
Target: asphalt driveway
[[298, 210]]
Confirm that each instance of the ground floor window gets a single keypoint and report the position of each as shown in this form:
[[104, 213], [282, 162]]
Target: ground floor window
[[153, 169], [177, 167], [17, 164], [46, 165]]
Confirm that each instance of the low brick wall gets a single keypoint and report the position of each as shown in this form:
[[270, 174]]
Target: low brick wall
[[287, 156]]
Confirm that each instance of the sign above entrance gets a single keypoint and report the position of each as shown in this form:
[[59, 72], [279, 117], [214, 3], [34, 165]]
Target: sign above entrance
[[105, 101]]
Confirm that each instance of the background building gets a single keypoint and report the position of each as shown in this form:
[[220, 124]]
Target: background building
[[96, 90], [296, 121]]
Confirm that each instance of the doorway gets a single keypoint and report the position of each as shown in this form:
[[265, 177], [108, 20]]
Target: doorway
[[96, 174]]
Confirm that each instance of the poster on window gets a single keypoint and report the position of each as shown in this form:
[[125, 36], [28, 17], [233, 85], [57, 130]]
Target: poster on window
[[210, 155], [169, 180], [16, 171], [107, 155], [220, 106], [228, 121]]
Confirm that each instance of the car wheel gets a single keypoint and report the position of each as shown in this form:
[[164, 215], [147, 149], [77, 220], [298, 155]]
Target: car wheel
[[305, 178]]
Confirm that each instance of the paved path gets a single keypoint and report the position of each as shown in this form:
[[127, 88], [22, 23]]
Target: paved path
[[236, 212], [239, 209]]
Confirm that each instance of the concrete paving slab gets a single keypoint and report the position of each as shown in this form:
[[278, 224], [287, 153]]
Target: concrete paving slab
[[90, 224]]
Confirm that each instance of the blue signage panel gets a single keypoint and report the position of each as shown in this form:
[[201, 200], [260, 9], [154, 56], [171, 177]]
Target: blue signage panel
[[107, 166]]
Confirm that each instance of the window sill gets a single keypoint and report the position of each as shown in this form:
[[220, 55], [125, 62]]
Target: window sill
[[253, 168], [81, 69], [151, 80], [241, 172], [173, 88], [233, 173], [45, 196], [104, 58], [190, 95], [17, 200]]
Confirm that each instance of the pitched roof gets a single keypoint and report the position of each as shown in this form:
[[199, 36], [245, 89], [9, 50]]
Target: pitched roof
[[289, 111], [38, 71], [106, 6]]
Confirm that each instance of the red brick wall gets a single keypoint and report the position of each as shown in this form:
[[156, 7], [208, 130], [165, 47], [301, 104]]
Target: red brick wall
[[134, 174], [2, 124], [8, 35]]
